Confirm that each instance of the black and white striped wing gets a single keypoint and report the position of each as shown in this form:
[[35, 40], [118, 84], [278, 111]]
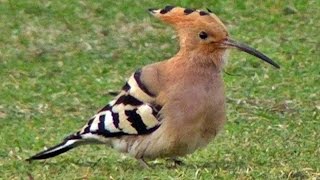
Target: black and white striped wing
[[132, 112]]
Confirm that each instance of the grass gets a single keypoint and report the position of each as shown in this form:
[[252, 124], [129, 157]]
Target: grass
[[59, 59]]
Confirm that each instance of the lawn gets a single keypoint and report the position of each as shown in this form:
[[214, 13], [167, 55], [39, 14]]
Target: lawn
[[59, 61]]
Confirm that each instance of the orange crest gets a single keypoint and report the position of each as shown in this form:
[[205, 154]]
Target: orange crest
[[191, 23], [178, 16]]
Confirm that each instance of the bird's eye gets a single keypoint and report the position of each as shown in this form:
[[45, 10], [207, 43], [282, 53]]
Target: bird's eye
[[203, 35]]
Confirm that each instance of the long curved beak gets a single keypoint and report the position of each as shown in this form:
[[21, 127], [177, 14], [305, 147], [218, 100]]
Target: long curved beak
[[249, 50]]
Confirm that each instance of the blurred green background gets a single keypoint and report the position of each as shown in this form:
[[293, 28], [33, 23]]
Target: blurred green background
[[60, 59]]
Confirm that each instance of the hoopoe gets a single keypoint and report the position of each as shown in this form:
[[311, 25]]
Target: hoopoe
[[169, 108]]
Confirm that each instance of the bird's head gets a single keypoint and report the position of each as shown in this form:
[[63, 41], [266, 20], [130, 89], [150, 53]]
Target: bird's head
[[202, 32]]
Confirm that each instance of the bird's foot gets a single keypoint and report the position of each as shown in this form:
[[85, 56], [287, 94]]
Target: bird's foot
[[144, 164], [175, 162]]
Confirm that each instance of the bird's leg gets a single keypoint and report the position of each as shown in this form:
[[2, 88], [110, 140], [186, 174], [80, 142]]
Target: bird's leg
[[175, 162], [143, 163]]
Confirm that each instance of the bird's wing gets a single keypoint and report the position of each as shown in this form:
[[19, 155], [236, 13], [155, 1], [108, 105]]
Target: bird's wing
[[132, 112]]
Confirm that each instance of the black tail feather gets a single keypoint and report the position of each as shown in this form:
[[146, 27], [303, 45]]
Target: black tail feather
[[68, 144]]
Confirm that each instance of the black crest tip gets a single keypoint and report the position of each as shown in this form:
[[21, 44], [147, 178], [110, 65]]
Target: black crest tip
[[209, 10], [167, 9], [152, 10], [203, 13], [188, 11]]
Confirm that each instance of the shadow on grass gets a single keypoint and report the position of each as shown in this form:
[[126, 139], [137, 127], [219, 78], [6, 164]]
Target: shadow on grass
[[130, 163]]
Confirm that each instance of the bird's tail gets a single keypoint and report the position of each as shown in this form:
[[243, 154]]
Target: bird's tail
[[69, 143]]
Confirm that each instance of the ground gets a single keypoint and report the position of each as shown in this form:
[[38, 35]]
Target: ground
[[59, 61]]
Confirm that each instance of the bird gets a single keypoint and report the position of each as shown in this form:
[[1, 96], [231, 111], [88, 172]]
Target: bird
[[170, 108]]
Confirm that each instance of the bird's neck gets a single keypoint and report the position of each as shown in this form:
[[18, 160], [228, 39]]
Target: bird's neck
[[200, 60]]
